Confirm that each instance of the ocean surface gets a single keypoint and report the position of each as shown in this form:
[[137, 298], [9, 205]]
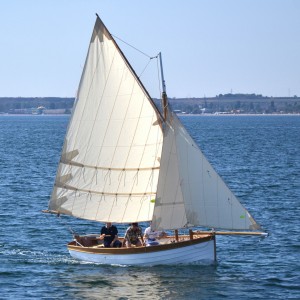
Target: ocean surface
[[258, 157]]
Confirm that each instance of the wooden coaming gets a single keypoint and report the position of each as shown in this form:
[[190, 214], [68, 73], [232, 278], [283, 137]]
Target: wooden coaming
[[183, 242]]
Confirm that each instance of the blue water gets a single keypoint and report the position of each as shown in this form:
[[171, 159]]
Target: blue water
[[259, 158]]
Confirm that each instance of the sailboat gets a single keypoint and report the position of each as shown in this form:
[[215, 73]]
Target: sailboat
[[124, 160]]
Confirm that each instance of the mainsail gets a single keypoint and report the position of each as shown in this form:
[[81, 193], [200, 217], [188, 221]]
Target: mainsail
[[123, 162], [190, 192], [111, 156]]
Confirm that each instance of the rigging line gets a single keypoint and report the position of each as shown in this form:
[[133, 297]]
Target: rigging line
[[74, 233], [156, 67], [134, 47], [145, 68], [150, 57]]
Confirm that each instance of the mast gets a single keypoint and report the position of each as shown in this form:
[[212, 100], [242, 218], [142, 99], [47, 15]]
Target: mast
[[164, 98]]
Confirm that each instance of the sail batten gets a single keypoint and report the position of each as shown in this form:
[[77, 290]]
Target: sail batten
[[73, 188], [70, 163]]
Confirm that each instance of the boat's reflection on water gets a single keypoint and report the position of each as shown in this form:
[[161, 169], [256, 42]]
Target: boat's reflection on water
[[90, 281]]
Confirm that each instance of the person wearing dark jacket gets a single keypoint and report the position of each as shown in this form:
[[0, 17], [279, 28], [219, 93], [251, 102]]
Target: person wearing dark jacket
[[109, 233]]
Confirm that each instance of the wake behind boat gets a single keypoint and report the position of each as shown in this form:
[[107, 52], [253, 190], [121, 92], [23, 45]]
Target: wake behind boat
[[124, 161]]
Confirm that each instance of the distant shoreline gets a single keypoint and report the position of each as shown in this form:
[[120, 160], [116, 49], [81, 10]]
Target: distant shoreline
[[235, 115], [227, 103], [31, 115], [180, 115]]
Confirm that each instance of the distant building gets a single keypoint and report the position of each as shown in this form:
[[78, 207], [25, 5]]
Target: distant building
[[59, 111]]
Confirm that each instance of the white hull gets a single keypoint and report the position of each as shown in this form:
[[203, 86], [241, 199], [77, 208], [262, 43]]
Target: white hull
[[203, 252]]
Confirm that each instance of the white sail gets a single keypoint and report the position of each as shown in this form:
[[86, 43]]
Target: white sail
[[123, 162], [190, 192], [117, 163], [111, 156]]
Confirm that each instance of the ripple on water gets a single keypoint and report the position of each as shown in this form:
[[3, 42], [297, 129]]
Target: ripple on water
[[257, 157]]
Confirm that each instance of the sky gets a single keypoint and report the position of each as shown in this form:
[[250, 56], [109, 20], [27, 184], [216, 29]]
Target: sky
[[209, 47]]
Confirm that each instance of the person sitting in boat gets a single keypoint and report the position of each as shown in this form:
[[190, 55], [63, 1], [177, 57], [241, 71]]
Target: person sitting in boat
[[109, 233], [151, 236], [132, 235]]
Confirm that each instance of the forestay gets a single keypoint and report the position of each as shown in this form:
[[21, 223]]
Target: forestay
[[111, 156], [190, 192]]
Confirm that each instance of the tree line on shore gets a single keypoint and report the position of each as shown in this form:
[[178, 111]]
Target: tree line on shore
[[228, 103]]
